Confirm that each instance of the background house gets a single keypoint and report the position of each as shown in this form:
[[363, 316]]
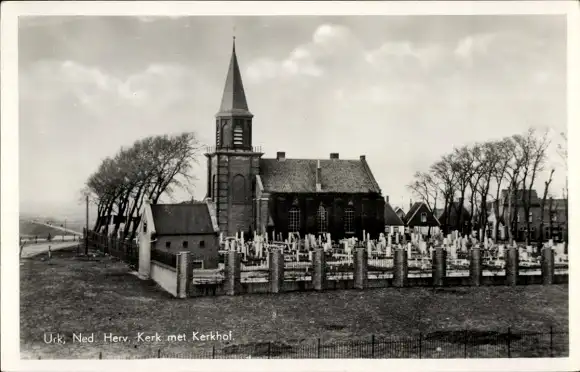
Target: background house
[[554, 218], [450, 220], [400, 212], [421, 219], [393, 223]]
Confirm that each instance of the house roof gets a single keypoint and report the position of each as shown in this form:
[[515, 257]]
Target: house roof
[[234, 96], [453, 209], [391, 218], [182, 219], [412, 219], [520, 195], [299, 175]]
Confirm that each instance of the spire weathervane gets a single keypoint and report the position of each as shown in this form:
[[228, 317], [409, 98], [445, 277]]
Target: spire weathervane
[[234, 35]]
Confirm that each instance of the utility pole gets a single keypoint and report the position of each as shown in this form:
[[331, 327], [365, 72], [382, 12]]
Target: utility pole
[[87, 225]]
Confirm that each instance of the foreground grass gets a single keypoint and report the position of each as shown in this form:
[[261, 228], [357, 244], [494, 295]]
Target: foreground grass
[[73, 295]]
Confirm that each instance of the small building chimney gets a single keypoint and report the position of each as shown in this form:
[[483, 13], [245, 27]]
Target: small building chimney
[[280, 156], [387, 198], [363, 157], [334, 155], [318, 177]]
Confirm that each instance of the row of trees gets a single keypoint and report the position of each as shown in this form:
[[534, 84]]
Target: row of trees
[[473, 176], [151, 167]]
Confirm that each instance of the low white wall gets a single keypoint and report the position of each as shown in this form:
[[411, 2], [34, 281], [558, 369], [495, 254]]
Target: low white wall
[[165, 276]]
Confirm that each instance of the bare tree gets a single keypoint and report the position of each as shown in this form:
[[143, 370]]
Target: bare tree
[[463, 166], [563, 152], [425, 187], [532, 152], [543, 205], [445, 178], [150, 168]]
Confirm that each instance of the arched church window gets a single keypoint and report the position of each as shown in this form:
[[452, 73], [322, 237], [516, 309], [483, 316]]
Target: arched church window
[[294, 219], [322, 218], [238, 135], [349, 220], [239, 189]]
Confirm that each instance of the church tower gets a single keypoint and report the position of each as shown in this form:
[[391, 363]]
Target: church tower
[[233, 163]]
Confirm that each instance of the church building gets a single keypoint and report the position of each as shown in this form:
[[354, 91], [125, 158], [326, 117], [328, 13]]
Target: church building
[[306, 196]]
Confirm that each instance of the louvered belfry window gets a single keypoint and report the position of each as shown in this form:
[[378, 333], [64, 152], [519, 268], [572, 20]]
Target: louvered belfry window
[[238, 135], [218, 134]]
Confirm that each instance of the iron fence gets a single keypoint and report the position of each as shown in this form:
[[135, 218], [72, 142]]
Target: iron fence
[[451, 344], [124, 250], [166, 258]]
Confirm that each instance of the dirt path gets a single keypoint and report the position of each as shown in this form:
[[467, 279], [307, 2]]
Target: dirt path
[[36, 249]]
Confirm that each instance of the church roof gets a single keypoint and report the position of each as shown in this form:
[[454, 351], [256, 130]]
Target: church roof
[[182, 219], [234, 96], [299, 176], [391, 218]]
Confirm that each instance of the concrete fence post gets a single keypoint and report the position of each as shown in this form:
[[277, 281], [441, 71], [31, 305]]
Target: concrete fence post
[[475, 268], [400, 268], [512, 263], [547, 266], [276, 270], [439, 266], [233, 273], [184, 274], [144, 258], [360, 268], [319, 269]]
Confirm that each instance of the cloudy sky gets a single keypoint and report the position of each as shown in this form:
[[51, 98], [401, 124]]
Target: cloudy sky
[[403, 90]]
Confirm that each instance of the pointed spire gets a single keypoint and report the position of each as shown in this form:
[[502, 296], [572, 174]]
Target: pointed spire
[[234, 97]]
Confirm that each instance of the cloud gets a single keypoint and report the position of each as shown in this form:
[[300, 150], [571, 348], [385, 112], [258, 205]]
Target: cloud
[[473, 46], [96, 90], [330, 45]]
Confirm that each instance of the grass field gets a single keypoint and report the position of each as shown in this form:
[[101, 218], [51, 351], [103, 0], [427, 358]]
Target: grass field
[[71, 295]]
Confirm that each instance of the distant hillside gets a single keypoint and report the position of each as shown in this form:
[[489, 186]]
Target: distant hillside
[[33, 229]]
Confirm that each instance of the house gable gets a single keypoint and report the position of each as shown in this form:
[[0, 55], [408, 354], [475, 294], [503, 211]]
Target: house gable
[[414, 216]]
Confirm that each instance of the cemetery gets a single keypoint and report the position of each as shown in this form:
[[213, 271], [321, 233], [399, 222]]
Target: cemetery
[[270, 264]]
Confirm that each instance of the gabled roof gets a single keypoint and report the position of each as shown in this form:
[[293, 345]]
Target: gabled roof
[[413, 217], [182, 219], [299, 176], [391, 218], [454, 208], [234, 96]]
